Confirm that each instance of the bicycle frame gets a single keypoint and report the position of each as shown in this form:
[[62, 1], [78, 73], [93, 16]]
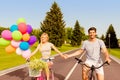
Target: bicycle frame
[[92, 68]]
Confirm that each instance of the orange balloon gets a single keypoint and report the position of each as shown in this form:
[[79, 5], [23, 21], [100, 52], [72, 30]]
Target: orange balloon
[[10, 49], [26, 37]]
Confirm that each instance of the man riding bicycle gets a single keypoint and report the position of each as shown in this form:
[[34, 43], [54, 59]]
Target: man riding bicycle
[[93, 47]]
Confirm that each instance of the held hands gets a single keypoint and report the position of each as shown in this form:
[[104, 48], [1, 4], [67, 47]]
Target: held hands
[[66, 56]]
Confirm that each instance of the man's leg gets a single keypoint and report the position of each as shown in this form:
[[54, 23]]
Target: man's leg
[[100, 76], [85, 71], [100, 73]]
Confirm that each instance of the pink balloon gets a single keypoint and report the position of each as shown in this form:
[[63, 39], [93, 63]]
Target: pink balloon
[[6, 34], [26, 54], [15, 43]]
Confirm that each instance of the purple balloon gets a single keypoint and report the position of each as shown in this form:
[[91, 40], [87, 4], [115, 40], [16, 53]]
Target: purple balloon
[[32, 40], [29, 28]]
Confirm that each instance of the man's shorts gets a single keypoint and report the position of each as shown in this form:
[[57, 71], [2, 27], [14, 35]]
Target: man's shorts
[[96, 64]]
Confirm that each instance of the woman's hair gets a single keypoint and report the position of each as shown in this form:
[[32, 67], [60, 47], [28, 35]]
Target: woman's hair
[[92, 28], [44, 34]]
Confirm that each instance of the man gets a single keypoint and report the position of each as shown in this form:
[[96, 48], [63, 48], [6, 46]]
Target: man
[[93, 47]]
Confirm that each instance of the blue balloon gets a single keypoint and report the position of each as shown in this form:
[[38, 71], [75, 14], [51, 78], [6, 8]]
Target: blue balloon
[[24, 45], [13, 28]]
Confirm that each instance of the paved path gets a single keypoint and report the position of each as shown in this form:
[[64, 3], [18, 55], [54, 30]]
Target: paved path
[[61, 70]]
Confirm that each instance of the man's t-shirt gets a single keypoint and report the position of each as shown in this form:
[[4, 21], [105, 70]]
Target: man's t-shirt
[[93, 49]]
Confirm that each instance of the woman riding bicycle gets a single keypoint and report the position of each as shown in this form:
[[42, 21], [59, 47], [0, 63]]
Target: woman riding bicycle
[[45, 48], [93, 47]]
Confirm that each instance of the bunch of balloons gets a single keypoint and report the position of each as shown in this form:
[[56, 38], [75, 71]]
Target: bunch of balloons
[[18, 38]]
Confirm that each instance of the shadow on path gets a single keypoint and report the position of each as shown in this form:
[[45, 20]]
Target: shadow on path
[[59, 76]]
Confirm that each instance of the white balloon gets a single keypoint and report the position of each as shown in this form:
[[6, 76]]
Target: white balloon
[[19, 51]]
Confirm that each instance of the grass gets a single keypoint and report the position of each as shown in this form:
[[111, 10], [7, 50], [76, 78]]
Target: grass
[[8, 60], [115, 52]]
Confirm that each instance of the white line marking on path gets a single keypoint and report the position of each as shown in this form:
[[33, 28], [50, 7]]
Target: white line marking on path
[[3, 72], [71, 71]]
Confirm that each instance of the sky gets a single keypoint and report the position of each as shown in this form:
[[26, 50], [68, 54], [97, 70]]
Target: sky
[[98, 13]]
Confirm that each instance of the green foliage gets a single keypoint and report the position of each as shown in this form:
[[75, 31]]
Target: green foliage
[[77, 35], [68, 34], [37, 65], [113, 40], [102, 37], [54, 25]]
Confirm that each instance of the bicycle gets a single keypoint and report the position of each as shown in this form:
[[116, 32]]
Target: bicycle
[[42, 73], [92, 68]]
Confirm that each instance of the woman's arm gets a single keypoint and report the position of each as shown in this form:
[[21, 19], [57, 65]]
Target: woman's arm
[[56, 50], [35, 50]]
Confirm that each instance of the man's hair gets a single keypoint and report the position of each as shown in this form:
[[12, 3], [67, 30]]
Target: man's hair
[[91, 28]]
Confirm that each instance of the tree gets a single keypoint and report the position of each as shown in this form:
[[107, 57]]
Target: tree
[[77, 35], [3, 28], [54, 25], [111, 35], [102, 37], [68, 34]]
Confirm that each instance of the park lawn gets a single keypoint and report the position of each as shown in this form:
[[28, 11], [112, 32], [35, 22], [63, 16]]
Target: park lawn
[[115, 52], [9, 60]]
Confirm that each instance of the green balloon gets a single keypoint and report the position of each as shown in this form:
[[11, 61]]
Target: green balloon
[[4, 42], [16, 35]]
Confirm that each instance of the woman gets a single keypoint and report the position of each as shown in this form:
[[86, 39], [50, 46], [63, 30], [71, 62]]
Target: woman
[[45, 48]]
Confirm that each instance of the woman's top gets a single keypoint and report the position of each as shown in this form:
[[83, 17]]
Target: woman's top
[[45, 50]]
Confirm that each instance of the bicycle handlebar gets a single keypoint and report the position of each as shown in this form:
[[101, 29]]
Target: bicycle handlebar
[[81, 62]]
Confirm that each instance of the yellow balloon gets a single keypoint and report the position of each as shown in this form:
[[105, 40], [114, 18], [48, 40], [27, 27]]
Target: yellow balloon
[[21, 20], [10, 49], [26, 37]]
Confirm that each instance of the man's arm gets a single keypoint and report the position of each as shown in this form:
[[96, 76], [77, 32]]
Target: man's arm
[[106, 54], [75, 53]]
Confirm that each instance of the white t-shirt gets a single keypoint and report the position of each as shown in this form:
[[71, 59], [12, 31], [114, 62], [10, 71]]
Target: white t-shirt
[[93, 49]]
